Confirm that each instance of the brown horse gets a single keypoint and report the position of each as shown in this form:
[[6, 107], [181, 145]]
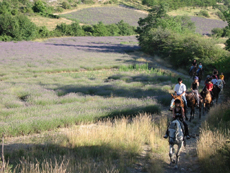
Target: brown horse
[[216, 92], [191, 100], [182, 103], [207, 99], [192, 73]]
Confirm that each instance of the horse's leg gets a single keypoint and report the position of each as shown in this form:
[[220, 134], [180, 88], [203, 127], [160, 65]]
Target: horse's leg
[[191, 114], [170, 152], [200, 110], [178, 153], [204, 108], [185, 113]]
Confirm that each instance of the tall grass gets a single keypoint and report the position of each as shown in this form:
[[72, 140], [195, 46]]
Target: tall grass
[[213, 146], [109, 146]]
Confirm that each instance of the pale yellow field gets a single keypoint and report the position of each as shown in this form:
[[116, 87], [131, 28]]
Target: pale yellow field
[[48, 22]]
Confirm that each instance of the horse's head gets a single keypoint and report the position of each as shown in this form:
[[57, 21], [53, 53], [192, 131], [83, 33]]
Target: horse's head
[[175, 132]]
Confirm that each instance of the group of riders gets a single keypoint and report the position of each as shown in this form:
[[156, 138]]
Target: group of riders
[[180, 90]]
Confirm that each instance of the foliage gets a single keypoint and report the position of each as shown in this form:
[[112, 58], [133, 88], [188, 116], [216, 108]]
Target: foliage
[[203, 13], [220, 15], [125, 28], [100, 30], [218, 32], [39, 7], [65, 5], [17, 28], [87, 1], [175, 40]]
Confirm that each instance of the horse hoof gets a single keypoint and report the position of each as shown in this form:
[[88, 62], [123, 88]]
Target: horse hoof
[[176, 167]]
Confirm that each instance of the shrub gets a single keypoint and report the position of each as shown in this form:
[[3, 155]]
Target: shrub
[[203, 13], [125, 28], [100, 30], [69, 30], [65, 5], [88, 2], [5, 7], [220, 15], [113, 29], [17, 28], [43, 32], [218, 32], [39, 7], [59, 9]]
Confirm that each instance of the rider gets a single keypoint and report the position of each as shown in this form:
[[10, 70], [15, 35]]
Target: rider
[[180, 89], [222, 77], [178, 112], [194, 64], [209, 86], [215, 73], [214, 80], [199, 68], [194, 88]]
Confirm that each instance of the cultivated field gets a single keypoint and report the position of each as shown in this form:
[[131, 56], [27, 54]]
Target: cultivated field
[[54, 90], [108, 15], [113, 14], [64, 81]]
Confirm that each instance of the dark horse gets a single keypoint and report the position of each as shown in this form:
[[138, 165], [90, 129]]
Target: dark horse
[[192, 73], [191, 100], [216, 92], [207, 99]]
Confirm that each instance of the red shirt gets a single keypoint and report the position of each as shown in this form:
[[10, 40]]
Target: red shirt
[[209, 86]]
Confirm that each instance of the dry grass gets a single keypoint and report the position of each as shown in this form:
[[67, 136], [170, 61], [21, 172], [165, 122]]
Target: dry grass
[[190, 11], [48, 22], [110, 146], [212, 148]]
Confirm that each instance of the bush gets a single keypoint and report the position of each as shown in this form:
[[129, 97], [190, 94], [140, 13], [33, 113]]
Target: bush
[[43, 32], [88, 2], [220, 15], [218, 32], [100, 30], [5, 7], [59, 9], [125, 28], [17, 28], [203, 13], [39, 7], [69, 30], [65, 5]]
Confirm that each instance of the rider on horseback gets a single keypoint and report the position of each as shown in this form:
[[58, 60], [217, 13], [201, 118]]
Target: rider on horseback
[[209, 87], [199, 68], [194, 88], [180, 89], [178, 112], [194, 64]]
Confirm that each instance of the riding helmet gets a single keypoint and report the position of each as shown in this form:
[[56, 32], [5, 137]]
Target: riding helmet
[[196, 78]]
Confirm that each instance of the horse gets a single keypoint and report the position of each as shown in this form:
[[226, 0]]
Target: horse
[[207, 99], [216, 91], [182, 104], [192, 72], [200, 75], [191, 100], [176, 136]]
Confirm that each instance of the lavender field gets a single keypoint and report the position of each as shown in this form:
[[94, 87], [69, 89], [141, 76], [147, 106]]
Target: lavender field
[[107, 15], [66, 54], [65, 81], [204, 26]]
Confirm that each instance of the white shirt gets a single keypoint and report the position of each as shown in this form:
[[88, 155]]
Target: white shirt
[[214, 81], [180, 88]]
